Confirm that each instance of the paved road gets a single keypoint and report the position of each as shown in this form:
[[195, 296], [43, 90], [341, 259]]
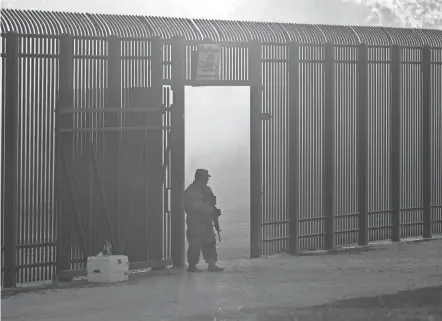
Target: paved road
[[245, 286]]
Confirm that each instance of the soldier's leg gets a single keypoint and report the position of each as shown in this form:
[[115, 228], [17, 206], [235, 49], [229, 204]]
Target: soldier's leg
[[194, 249], [210, 254]]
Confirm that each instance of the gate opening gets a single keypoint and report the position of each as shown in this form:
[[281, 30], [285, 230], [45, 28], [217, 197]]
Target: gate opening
[[217, 137]]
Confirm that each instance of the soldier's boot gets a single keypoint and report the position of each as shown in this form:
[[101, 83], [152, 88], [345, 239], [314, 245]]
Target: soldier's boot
[[194, 269], [215, 268]]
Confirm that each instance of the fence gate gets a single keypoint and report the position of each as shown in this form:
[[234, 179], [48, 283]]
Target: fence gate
[[112, 155], [121, 159], [241, 64]]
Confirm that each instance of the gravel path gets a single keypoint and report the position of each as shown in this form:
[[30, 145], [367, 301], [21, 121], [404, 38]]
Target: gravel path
[[246, 290]]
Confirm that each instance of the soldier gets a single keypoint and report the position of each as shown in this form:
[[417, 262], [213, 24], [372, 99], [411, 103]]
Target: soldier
[[200, 212]]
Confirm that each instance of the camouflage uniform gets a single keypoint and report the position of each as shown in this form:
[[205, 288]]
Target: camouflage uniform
[[198, 204]]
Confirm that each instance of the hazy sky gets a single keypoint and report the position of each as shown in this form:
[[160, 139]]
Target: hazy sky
[[308, 11], [143, 7]]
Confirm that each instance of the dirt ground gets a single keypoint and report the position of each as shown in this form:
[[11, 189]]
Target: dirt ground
[[354, 285]]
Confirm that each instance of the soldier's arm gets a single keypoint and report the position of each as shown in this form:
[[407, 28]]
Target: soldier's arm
[[193, 201], [212, 196]]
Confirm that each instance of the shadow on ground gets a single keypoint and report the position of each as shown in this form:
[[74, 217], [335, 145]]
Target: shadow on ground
[[422, 304]]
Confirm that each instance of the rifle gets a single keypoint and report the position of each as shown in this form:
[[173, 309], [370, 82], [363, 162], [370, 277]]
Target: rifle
[[216, 223], [215, 217]]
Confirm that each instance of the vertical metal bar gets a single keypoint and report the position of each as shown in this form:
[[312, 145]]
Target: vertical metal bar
[[40, 228], [362, 145], [51, 89], [32, 115], [27, 101], [155, 149], [294, 152], [63, 121], [123, 192], [395, 141], [112, 139], [329, 148], [426, 140], [193, 63], [177, 151], [11, 159], [255, 77]]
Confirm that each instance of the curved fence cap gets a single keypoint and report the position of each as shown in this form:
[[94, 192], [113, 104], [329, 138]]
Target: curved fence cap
[[404, 37], [95, 25], [431, 37], [103, 25], [372, 35]]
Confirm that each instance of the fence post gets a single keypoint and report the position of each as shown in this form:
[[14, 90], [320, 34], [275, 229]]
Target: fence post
[[362, 143], [329, 146], [10, 123], [255, 148], [63, 149], [395, 141], [177, 151], [112, 140], [294, 147], [426, 140], [155, 148]]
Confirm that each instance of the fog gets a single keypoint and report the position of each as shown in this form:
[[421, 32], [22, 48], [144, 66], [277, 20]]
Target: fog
[[217, 138]]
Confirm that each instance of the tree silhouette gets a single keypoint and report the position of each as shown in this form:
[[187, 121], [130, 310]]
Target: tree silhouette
[[404, 13]]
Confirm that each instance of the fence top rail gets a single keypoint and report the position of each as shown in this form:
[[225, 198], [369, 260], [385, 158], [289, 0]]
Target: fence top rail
[[225, 44], [39, 23]]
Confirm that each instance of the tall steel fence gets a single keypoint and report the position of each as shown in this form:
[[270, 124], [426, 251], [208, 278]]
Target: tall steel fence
[[349, 154]]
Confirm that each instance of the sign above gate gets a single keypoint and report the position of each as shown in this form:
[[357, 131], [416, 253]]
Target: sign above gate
[[208, 62]]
